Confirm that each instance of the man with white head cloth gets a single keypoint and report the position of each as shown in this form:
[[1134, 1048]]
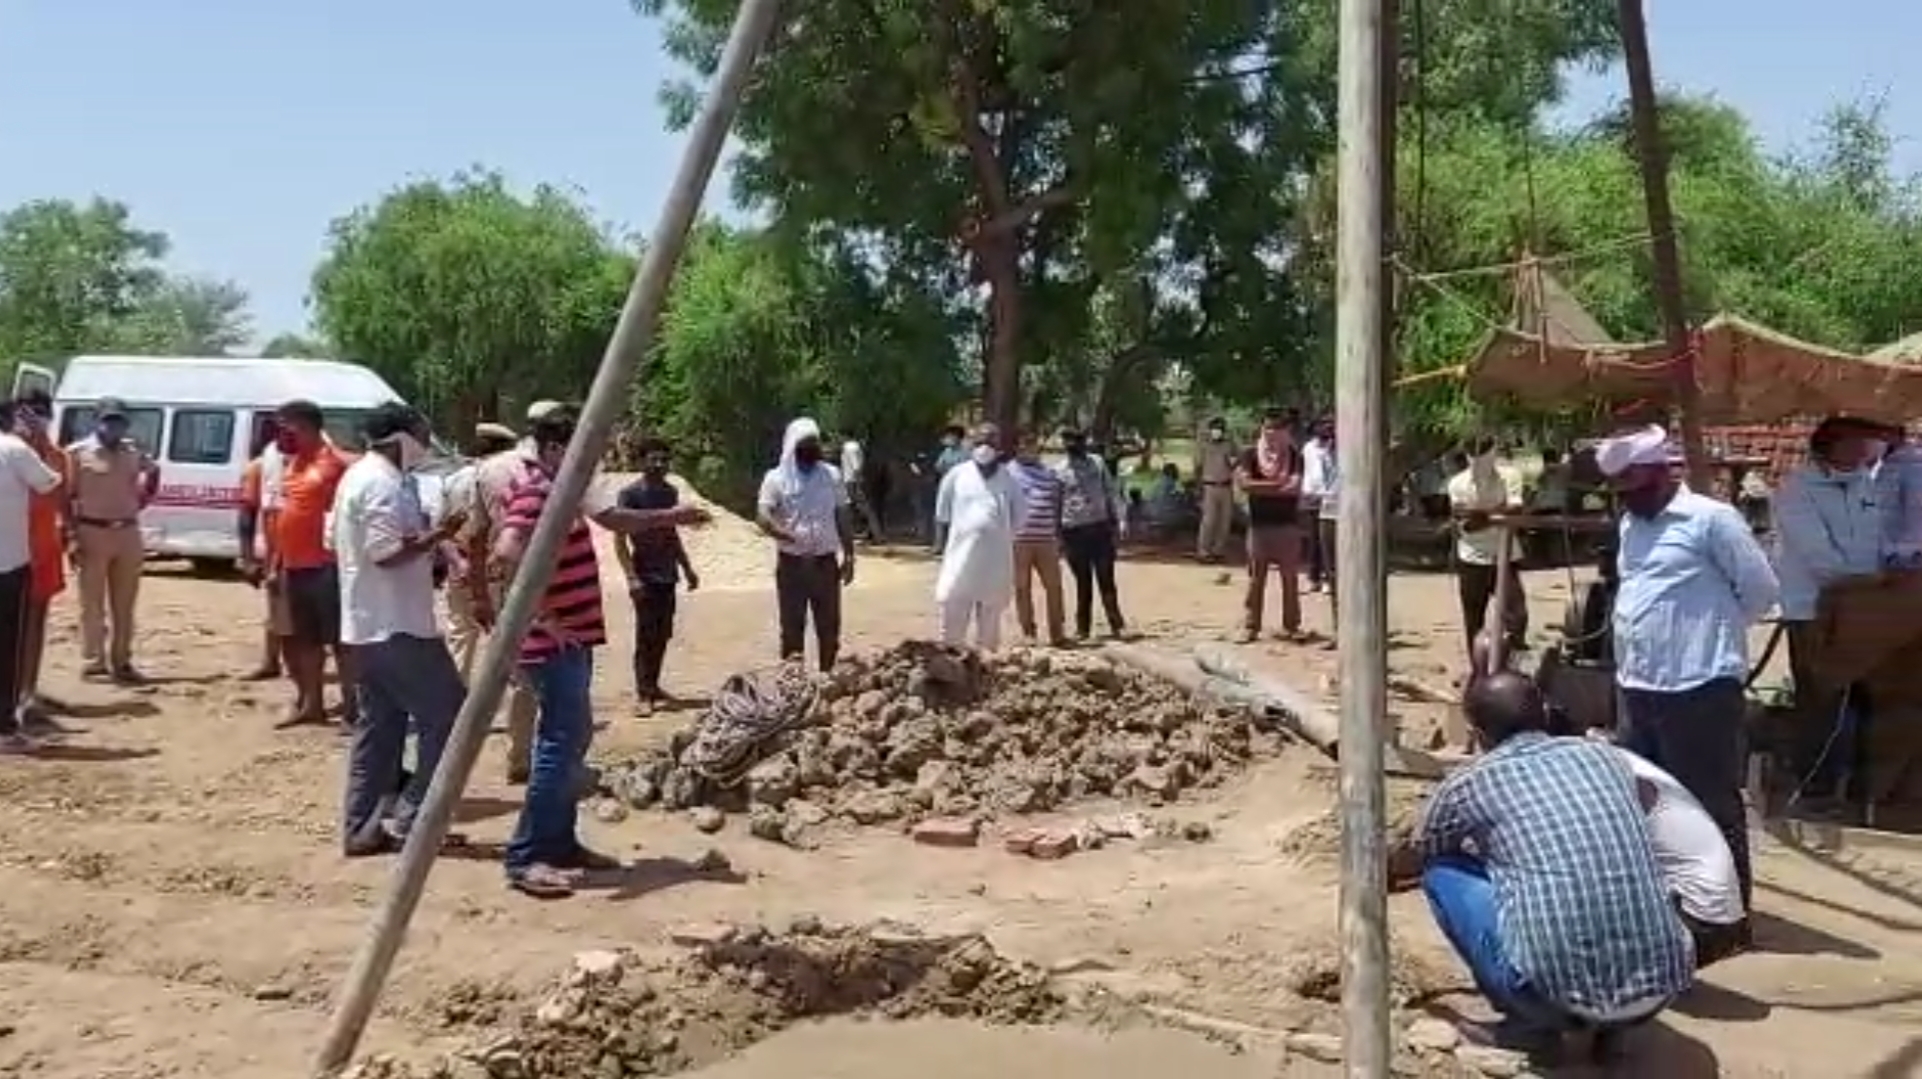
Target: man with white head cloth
[[1693, 580], [803, 507], [976, 514]]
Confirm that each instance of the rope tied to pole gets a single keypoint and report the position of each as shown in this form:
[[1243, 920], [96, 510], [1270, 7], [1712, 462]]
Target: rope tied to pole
[[749, 714]]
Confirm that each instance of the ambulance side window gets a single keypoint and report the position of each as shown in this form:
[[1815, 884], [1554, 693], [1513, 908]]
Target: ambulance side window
[[201, 436], [143, 426]]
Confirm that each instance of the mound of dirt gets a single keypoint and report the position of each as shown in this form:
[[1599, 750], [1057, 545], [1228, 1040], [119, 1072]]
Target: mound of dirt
[[616, 1015], [1319, 838], [923, 730]]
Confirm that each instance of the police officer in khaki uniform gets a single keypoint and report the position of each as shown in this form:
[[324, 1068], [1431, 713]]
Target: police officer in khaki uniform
[[113, 480]]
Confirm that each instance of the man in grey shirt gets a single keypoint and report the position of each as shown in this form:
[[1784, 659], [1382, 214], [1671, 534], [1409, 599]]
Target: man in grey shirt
[[1093, 521]]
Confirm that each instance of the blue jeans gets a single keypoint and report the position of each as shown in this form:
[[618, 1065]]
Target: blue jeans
[[401, 680], [546, 834], [1463, 901]]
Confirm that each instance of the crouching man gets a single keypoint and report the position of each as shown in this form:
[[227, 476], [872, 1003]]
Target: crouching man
[[1537, 864]]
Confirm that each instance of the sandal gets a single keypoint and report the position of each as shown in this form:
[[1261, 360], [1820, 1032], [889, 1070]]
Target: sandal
[[539, 881]]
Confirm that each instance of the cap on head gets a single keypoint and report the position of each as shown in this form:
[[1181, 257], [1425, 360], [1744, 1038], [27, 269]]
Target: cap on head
[[110, 408], [542, 408]]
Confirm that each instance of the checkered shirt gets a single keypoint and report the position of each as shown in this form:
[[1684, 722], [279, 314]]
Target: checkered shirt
[[1583, 915]]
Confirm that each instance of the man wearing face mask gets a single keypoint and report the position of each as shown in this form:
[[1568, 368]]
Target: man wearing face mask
[[47, 526], [385, 548], [1898, 495], [977, 512], [1693, 580], [951, 453], [1827, 527], [303, 568], [803, 507], [113, 479], [1094, 520], [1215, 470], [23, 476], [1475, 494]]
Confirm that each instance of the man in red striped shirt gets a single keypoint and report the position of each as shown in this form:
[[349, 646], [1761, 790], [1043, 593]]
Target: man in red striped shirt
[[545, 858]]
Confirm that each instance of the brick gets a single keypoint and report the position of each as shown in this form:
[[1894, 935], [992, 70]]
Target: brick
[[1052, 845], [947, 832], [1021, 842]]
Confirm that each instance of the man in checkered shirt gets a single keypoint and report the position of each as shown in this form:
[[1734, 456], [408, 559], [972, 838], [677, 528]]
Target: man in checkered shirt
[[1536, 862]]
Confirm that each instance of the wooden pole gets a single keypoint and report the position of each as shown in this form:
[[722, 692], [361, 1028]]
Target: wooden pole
[[1652, 152], [1362, 571], [632, 339]]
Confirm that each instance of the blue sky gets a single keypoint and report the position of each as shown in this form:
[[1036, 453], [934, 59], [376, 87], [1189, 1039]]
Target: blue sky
[[242, 129]]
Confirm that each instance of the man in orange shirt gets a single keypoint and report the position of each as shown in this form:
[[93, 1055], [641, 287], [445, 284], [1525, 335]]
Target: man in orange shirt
[[47, 532], [255, 527], [303, 567]]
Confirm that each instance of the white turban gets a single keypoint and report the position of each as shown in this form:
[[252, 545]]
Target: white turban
[[541, 408], [1648, 446]]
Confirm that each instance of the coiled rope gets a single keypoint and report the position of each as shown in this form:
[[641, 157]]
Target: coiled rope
[[750, 712]]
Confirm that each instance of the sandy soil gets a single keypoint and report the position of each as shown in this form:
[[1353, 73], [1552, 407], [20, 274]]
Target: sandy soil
[[176, 905]]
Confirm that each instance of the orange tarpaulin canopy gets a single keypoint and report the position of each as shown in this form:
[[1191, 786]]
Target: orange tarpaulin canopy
[[1747, 374]]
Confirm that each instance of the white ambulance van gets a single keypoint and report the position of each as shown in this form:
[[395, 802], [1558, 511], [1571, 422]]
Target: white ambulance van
[[201, 419]]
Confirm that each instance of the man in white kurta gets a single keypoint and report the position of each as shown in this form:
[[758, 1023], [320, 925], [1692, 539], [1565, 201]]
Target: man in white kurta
[[977, 511]]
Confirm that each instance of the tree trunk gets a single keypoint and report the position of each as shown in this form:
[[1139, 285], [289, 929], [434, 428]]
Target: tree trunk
[[1001, 367], [1108, 398]]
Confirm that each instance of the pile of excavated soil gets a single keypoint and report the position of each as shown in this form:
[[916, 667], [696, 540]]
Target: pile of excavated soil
[[923, 730], [1319, 838], [616, 1014]]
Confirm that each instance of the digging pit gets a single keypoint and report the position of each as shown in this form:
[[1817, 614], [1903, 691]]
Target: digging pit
[[921, 731], [617, 1014]]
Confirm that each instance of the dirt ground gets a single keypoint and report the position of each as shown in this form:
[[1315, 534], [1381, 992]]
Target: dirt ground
[[176, 905]]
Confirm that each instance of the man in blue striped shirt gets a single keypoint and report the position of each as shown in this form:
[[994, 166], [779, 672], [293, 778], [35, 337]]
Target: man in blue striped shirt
[[1037, 541], [1693, 580], [1537, 864]]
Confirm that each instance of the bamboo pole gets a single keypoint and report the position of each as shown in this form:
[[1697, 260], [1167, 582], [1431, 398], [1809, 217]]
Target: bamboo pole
[[1362, 571], [1652, 153], [633, 337]]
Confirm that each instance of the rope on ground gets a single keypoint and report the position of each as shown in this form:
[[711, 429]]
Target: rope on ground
[[749, 713]]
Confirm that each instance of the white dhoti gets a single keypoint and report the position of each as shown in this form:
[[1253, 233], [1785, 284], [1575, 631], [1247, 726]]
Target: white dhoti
[[981, 510]]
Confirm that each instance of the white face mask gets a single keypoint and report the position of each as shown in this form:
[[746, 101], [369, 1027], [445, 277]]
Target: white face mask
[[1486, 462], [1217, 434], [984, 455]]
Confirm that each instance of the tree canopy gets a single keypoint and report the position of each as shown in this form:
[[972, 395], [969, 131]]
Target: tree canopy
[[1045, 210]]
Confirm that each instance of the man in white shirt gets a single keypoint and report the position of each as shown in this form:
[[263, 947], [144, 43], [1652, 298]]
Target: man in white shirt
[[803, 508], [1318, 494], [22, 475], [384, 547], [1474, 495], [1695, 862], [854, 476]]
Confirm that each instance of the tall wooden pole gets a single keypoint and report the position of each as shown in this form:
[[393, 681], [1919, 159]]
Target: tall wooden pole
[[633, 337], [1361, 303], [1652, 152]]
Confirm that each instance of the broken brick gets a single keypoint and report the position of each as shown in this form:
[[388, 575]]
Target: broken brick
[[947, 832]]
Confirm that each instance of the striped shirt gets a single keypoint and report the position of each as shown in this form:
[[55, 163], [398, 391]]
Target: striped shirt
[[1583, 913], [573, 601], [1040, 500]]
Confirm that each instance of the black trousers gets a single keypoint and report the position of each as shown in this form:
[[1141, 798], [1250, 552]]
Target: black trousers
[[1319, 557], [809, 586], [1475, 585], [654, 606], [1699, 736], [13, 625], [1090, 551]]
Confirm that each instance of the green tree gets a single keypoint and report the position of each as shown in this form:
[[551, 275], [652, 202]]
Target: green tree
[[465, 294], [964, 135], [69, 272], [184, 316], [296, 347], [758, 331]]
